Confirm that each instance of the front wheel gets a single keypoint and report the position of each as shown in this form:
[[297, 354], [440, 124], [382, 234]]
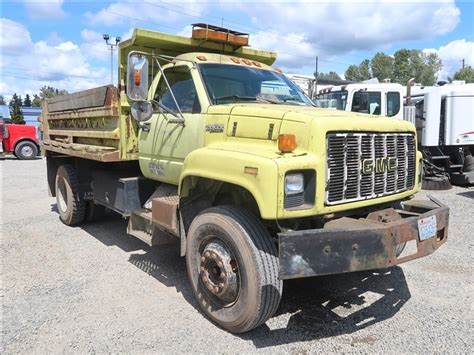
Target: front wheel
[[26, 150], [232, 265]]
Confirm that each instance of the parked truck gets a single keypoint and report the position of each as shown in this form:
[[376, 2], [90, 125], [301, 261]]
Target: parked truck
[[204, 140], [19, 140]]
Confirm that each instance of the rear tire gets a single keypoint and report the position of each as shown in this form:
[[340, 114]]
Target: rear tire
[[232, 265], [71, 206], [26, 150]]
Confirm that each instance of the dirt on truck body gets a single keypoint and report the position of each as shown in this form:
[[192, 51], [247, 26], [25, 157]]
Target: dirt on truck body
[[205, 141]]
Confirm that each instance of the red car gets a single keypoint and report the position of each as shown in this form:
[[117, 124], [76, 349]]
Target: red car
[[21, 140]]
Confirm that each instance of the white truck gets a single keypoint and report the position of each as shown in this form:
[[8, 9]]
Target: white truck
[[443, 115]]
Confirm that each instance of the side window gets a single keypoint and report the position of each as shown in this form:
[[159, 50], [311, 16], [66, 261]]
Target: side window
[[393, 103], [366, 102], [182, 85]]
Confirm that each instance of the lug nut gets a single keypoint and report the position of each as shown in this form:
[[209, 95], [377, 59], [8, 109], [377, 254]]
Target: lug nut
[[221, 285], [220, 264], [203, 259], [222, 275], [202, 269], [207, 254], [216, 289]]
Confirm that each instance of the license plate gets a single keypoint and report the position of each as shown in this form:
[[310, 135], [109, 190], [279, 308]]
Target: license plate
[[427, 227]]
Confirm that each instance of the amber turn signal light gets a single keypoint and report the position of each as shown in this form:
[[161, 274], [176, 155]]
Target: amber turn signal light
[[286, 143], [137, 77]]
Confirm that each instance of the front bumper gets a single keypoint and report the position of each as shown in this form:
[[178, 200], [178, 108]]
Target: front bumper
[[348, 244]]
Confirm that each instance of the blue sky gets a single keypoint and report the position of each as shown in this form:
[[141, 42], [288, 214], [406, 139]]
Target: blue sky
[[59, 43]]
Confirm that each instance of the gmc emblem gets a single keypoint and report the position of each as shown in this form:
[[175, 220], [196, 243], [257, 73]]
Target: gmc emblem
[[379, 165]]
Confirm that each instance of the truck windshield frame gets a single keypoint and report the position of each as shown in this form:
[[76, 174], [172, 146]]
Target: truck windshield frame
[[336, 100], [226, 83]]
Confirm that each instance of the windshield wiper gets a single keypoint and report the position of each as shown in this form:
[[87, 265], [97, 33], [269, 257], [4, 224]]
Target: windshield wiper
[[244, 98], [235, 98]]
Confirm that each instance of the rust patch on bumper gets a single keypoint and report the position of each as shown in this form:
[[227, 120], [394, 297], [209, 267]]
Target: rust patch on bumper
[[347, 244]]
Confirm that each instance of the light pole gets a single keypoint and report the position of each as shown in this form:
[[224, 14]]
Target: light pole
[[112, 45]]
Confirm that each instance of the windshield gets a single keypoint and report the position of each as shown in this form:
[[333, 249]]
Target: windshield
[[335, 100], [229, 83]]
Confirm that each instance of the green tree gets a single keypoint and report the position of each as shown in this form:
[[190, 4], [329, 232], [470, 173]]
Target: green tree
[[15, 109], [47, 92], [2, 100], [381, 66], [466, 74], [352, 73], [364, 70], [431, 66], [27, 102], [332, 75], [401, 66], [36, 101]]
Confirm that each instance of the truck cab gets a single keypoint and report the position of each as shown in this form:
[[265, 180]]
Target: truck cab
[[19, 140], [384, 99]]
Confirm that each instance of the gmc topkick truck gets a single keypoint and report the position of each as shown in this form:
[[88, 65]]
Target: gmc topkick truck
[[204, 141]]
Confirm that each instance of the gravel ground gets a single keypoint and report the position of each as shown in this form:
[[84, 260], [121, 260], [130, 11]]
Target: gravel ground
[[96, 289]]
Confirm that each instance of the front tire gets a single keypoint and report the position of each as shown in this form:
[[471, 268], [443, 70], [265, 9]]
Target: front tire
[[232, 265], [71, 206], [26, 150]]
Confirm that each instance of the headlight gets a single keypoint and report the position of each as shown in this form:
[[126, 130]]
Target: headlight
[[294, 184]]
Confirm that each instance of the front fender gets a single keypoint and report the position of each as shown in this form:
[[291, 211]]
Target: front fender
[[256, 174]]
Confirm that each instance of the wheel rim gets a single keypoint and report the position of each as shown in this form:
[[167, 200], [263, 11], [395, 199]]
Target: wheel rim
[[62, 196], [26, 151], [219, 272]]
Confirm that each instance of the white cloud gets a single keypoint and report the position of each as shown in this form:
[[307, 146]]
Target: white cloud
[[28, 65], [333, 28], [14, 37], [45, 9], [452, 55]]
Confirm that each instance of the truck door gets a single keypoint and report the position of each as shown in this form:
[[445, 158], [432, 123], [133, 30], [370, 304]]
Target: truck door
[[163, 144]]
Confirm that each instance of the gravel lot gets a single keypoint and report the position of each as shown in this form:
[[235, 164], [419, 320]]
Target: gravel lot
[[96, 289]]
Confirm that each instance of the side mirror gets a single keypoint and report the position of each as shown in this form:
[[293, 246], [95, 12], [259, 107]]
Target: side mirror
[[142, 110], [137, 77]]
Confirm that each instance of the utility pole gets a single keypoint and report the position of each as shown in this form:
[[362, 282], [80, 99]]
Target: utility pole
[[112, 45], [463, 63], [316, 75]]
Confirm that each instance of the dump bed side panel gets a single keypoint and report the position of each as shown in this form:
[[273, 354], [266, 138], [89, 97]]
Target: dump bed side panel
[[88, 124]]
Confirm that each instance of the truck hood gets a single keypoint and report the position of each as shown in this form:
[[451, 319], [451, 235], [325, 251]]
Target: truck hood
[[267, 121]]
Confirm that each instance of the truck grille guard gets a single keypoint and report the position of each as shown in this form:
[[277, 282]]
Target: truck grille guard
[[363, 166]]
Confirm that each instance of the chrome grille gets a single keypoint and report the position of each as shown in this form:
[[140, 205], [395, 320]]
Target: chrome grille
[[345, 155]]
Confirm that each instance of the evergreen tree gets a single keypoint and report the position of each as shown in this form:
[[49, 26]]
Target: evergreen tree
[[36, 101], [15, 110], [27, 102], [2, 100]]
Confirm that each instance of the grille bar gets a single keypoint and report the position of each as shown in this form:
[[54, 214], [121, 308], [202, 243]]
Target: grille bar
[[363, 166]]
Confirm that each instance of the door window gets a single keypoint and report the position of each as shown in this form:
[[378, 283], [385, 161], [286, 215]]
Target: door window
[[366, 102], [393, 103], [182, 85]]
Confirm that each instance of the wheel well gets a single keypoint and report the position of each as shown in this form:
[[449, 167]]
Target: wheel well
[[200, 193], [26, 140]]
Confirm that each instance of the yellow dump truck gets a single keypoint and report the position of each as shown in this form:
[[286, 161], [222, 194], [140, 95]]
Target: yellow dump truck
[[207, 142]]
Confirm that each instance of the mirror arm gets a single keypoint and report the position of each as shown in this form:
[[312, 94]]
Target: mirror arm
[[178, 119], [180, 116]]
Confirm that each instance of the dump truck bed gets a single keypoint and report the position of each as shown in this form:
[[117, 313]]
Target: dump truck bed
[[88, 124]]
